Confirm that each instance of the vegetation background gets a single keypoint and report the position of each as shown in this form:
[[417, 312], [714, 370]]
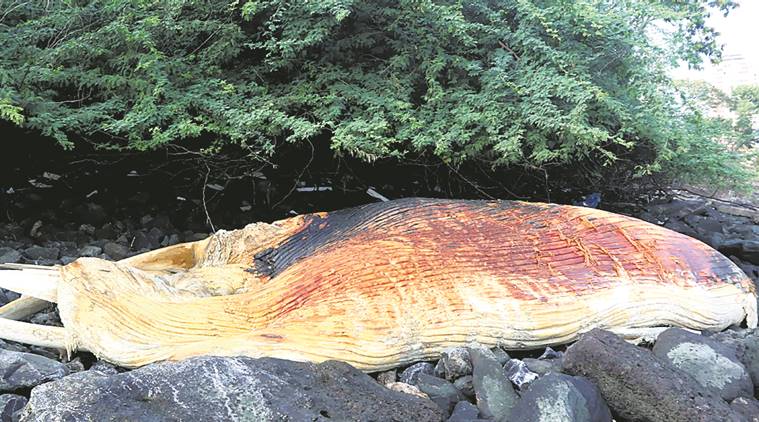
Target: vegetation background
[[511, 98]]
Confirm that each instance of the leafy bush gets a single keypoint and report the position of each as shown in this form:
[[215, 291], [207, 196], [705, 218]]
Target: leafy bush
[[531, 83]]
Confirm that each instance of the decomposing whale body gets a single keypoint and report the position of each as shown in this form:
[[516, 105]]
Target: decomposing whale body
[[385, 284]]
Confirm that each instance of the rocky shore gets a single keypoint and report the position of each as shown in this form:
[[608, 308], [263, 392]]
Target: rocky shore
[[682, 376]]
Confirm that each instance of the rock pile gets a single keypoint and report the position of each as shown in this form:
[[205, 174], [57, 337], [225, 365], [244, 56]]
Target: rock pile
[[684, 376]]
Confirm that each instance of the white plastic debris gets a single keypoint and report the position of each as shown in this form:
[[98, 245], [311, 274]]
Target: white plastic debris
[[215, 187], [51, 176], [376, 195], [314, 189], [39, 185]]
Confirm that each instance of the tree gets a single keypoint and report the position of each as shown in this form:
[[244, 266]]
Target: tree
[[533, 83]]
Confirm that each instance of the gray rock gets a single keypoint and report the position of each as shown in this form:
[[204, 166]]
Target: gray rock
[[495, 394], [559, 397], [464, 412], [90, 251], [455, 363], [465, 385], [87, 229], [711, 363], [75, 365], [500, 355], [7, 296], [215, 388], [411, 374], [65, 260], [747, 250], [20, 370], [387, 377], [746, 344], [748, 407], [11, 406], [9, 256], [39, 253], [549, 354], [104, 368], [639, 386], [440, 391], [518, 373], [116, 251], [543, 366]]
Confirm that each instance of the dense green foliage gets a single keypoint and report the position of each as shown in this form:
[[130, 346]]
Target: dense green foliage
[[530, 83]]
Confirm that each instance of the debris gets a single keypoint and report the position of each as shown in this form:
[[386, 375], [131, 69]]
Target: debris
[[51, 176], [315, 189], [215, 187], [91, 194], [374, 194], [39, 185]]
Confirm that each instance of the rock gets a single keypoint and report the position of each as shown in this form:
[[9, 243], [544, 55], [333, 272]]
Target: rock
[[455, 363], [65, 260], [155, 235], [104, 368], [20, 370], [746, 344], [49, 316], [551, 354], [494, 392], [411, 374], [140, 241], [11, 406], [747, 250], [38, 253], [116, 251], [711, 363], [464, 412], [9, 256], [559, 397], [173, 239], [518, 373], [465, 385], [387, 377], [216, 388], [639, 386], [748, 407], [75, 365], [92, 213], [440, 391], [500, 355], [681, 227], [402, 387], [7, 296], [90, 251], [542, 366], [87, 229]]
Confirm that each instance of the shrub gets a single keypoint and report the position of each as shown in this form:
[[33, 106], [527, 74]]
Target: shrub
[[530, 83]]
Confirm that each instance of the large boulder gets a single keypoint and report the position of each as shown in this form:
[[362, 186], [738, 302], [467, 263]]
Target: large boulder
[[713, 364], [21, 371], [559, 397], [638, 386], [215, 388]]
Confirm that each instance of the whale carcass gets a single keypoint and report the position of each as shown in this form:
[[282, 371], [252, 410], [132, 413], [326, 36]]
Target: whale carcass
[[385, 284]]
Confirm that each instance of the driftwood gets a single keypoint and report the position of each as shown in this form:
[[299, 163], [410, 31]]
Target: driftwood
[[386, 284]]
